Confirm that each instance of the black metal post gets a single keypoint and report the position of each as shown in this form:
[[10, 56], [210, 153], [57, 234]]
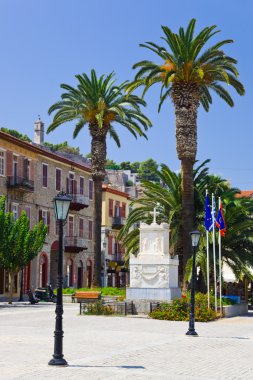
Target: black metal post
[[191, 330], [58, 334]]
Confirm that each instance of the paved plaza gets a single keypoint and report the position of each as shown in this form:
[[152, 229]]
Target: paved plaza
[[122, 348]]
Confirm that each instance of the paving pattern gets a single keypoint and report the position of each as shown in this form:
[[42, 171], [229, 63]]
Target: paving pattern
[[120, 348]]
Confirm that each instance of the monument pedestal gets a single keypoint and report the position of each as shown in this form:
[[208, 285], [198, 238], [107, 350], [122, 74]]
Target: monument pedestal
[[153, 273]]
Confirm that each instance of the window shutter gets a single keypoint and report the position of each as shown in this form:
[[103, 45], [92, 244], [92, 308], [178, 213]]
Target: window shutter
[[48, 222], [109, 245], [123, 210], [19, 211], [90, 189], [58, 179], [32, 163], [44, 174], [9, 158], [74, 187], [67, 185], [110, 207], [40, 215], [20, 166], [81, 185]]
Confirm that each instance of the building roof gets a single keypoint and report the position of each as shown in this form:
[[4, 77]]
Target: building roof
[[112, 190], [69, 159], [245, 193]]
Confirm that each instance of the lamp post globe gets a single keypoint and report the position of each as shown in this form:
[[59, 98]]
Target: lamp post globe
[[195, 236], [61, 208]]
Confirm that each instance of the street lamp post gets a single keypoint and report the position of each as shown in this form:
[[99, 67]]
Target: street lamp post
[[195, 235], [61, 208], [105, 270]]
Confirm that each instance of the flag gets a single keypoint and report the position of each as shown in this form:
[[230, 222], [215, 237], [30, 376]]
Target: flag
[[213, 212], [208, 214], [220, 222]]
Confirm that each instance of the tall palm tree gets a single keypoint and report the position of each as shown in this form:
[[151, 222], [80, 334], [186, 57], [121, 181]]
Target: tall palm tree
[[186, 74], [98, 103]]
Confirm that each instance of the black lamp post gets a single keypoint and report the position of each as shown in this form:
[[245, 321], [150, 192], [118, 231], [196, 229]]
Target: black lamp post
[[61, 208], [195, 235]]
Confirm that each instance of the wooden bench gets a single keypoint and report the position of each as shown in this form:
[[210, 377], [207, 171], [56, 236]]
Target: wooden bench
[[86, 297]]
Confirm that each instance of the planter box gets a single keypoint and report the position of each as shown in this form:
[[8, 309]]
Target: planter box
[[67, 298], [235, 310]]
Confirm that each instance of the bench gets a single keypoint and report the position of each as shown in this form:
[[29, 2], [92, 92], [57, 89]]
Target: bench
[[86, 297]]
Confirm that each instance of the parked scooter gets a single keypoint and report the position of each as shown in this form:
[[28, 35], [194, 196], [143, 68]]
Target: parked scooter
[[45, 294], [32, 299]]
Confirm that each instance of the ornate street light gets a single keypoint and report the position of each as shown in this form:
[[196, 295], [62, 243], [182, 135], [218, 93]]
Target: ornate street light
[[61, 208], [195, 236]]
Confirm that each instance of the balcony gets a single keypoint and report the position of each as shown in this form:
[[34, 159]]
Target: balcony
[[20, 183], [74, 244], [79, 201], [118, 222]]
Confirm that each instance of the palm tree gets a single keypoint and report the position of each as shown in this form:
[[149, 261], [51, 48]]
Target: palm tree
[[167, 194], [186, 75], [99, 104]]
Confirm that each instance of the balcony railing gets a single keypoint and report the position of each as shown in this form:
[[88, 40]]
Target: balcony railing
[[118, 222], [20, 183], [75, 244], [79, 201]]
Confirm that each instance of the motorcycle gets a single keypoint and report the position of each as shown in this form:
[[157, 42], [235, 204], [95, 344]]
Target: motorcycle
[[32, 298]]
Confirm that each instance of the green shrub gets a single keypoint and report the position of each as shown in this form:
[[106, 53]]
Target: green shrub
[[98, 308], [179, 309]]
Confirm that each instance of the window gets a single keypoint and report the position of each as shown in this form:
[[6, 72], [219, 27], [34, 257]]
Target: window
[[71, 225], [117, 209], [110, 207], [81, 185], [90, 189], [15, 211], [90, 229], [15, 166], [58, 179], [2, 163], [44, 215], [44, 175], [81, 224], [26, 168]]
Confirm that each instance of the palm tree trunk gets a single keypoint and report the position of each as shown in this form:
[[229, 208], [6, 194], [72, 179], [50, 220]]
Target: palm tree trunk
[[187, 207], [98, 154], [185, 97], [97, 217]]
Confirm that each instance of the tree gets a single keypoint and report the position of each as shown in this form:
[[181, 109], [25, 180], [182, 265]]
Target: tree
[[147, 170], [167, 195], [186, 75], [125, 165], [110, 164], [63, 147], [16, 134], [18, 243], [100, 104], [135, 166]]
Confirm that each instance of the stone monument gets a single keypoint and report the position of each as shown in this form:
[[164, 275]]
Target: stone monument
[[153, 273]]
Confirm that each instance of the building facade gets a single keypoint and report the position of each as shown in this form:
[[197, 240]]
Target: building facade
[[115, 209], [31, 175]]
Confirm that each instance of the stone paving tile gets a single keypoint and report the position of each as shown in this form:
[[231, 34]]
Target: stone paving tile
[[101, 348]]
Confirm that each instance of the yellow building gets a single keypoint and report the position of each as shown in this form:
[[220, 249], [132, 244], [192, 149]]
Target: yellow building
[[115, 209]]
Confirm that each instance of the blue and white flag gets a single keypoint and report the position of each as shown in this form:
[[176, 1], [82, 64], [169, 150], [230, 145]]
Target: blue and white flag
[[213, 212], [208, 214]]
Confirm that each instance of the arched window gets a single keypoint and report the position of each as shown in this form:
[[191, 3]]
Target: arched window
[[69, 273]]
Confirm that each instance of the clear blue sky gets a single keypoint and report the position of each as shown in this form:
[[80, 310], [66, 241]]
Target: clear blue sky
[[45, 43]]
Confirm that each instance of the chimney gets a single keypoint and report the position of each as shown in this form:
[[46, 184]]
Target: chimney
[[39, 132]]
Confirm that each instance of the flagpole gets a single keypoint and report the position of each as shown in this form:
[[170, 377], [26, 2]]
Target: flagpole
[[220, 266], [207, 265], [214, 256]]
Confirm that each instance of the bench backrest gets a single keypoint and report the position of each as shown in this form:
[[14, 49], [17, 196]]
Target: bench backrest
[[88, 295]]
